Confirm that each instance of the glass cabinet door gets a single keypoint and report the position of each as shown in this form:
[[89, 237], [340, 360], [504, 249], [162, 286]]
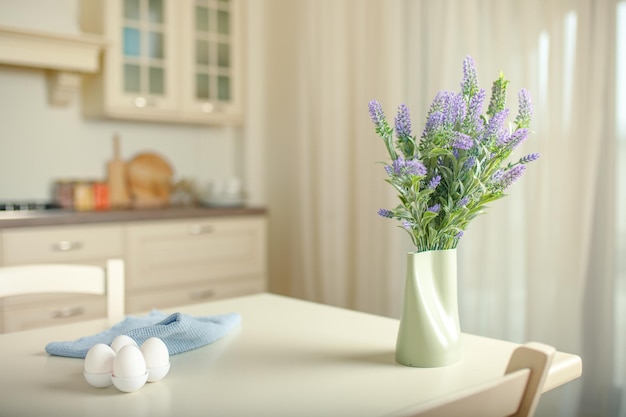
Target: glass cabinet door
[[213, 55], [146, 53]]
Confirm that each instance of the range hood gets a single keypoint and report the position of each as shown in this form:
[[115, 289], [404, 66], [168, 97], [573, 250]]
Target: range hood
[[65, 57]]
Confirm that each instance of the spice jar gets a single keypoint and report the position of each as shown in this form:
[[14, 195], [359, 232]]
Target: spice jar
[[83, 196], [64, 194], [100, 195]]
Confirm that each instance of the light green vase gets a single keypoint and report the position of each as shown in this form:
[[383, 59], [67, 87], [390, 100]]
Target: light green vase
[[429, 333]]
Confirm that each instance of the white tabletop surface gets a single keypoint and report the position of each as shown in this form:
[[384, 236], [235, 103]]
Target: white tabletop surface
[[289, 358]]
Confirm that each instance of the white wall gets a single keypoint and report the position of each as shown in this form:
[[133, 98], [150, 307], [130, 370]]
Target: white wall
[[40, 144]]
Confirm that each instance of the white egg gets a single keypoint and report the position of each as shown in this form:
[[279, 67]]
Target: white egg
[[99, 359], [129, 363], [155, 353], [121, 341]]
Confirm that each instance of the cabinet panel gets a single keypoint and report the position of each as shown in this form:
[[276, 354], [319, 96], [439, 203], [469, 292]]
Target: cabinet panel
[[50, 311], [59, 244], [178, 296], [162, 254]]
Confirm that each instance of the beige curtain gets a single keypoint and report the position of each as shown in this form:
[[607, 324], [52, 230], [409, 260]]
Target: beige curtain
[[539, 264], [325, 186]]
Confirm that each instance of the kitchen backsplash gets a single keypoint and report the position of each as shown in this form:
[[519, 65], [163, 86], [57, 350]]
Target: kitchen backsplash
[[40, 144]]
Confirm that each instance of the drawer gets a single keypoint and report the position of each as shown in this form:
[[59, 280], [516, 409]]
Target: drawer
[[183, 252], [61, 244], [50, 311], [216, 290]]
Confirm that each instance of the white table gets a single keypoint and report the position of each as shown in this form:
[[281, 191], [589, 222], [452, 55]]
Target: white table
[[289, 358]]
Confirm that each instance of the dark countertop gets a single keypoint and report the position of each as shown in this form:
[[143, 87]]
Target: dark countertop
[[9, 219]]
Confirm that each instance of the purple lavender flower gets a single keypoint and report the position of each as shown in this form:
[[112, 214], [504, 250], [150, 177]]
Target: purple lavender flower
[[529, 158], [497, 176], [470, 78], [398, 166], [525, 109], [434, 123], [525, 105], [475, 107], [385, 213], [435, 209], [408, 167], [469, 163], [403, 121], [512, 175], [405, 142], [456, 109], [434, 182], [415, 167], [503, 138], [463, 202], [447, 109], [462, 141], [479, 124], [376, 113], [439, 102], [407, 225], [517, 137], [459, 235], [495, 127]]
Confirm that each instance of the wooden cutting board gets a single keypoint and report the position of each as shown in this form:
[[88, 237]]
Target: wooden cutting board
[[149, 179]]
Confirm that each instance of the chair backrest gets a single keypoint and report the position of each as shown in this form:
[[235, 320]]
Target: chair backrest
[[63, 278], [516, 393]]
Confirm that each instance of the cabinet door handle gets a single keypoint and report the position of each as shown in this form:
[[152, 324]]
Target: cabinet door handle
[[200, 229], [202, 294], [141, 102], [67, 245], [66, 312]]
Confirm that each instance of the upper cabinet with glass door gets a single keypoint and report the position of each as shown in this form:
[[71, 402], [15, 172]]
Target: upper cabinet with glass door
[[168, 60], [212, 82], [147, 57]]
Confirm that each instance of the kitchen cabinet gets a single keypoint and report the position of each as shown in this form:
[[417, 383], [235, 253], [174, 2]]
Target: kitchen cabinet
[[166, 60], [168, 261], [92, 244], [188, 261]]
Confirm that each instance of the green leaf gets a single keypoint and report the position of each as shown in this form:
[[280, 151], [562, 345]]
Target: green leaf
[[436, 152], [427, 217]]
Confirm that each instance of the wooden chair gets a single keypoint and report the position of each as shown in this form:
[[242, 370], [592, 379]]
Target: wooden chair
[[63, 278], [516, 393]]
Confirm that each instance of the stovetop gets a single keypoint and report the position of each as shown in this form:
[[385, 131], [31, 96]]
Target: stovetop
[[27, 205]]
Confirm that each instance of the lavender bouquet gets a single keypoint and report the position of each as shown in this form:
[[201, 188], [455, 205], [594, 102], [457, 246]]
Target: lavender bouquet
[[459, 164]]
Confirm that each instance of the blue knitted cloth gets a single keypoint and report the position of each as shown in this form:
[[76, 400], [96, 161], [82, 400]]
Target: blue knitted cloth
[[179, 332]]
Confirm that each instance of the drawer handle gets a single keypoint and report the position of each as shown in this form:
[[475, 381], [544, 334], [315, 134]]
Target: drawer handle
[[201, 229], [202, 294], [66, 312], [67, 245]]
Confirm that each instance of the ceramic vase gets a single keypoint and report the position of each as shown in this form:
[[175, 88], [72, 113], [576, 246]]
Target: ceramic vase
[[429, 334]]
